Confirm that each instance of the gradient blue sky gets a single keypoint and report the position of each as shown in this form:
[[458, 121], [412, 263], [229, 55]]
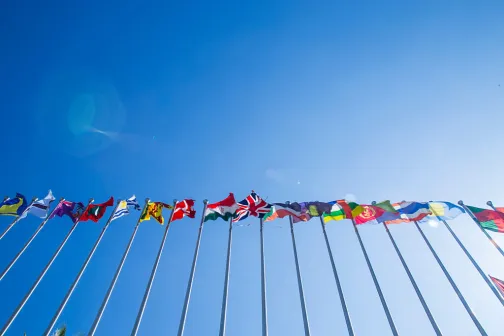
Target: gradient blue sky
[[299, 101]]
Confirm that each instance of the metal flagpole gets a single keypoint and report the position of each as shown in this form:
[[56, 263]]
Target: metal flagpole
[[377, 285], [18, 255], [300, 281], [452, 283], [481, 228], [79, 275], [116, 275], [134, 332], [191, 276], [39, 279], [18, 218], [338, 284], [263, 282], [222, 330]]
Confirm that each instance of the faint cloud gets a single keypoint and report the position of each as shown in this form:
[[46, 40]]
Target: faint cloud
[[433, 223], [350, 198], [275, 175]]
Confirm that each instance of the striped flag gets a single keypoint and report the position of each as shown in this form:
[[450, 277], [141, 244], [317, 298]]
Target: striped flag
[[40, 208], [123, 208]]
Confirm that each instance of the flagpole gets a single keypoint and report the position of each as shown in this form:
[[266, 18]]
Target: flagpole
[[134, 332], [79, 275], [377, 285], [452, 283], [481, 228], [39, 279], [300, 281], [18, 255], [263, 282], [18, 218], [191, 276], [222, 330], [116, 275], [338, 284]]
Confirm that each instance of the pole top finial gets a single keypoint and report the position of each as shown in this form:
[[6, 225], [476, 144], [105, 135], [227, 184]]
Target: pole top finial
[[489, 203], [34, 199], [91, 200], [373, 203], [147, 200], [460, 202], [174, 201], [287, 202], [205, 201]]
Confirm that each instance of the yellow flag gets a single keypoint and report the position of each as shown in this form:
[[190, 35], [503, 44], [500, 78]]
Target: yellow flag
[[155, 209]]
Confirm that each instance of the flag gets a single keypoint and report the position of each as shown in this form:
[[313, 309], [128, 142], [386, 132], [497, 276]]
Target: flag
[[390, 212], [155, 209], [489, 219], [498, 283], [40, 208], [410, 211], [378, 213], [123, 207], [13, 206], [95, 212], [281, 210], [342, 210], [224, 209], [316, 209], [444, 210], [184, 208], [252, 205], [71, 209]]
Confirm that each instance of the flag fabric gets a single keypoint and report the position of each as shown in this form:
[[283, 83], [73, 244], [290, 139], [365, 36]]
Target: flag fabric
[[224, 209], [377, 213], [40, 208], [342, 210], [390, 212], [13, 206], [95, 212], [498, 283], [70, 209], [443, 210], [410, 211], [123, 207], [184, 208], [317, 209], [489, 219], [281, 210], [155, 209], [252, 205]]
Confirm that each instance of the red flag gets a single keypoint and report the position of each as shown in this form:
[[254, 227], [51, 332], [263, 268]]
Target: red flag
[[369, 213], [184, 208], [498, 283], [96, 211]]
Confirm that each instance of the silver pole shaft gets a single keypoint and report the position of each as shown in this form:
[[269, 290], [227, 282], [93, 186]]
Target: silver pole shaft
[[18, 255], [39, 279], [141, 311], [377, 285], [338, 284], [17, 219], [263, 282], [78, 277], [413, 282], [191, 276], [300, 282], [116, 275], [222, 330], [452, 283]]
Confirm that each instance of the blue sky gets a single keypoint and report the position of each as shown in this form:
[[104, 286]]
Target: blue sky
[[299, 101]]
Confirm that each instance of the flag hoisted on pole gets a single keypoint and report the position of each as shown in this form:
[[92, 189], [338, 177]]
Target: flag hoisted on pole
[[222, 329], [18, 255], [183, 317], [121, 264], [134, 332], [452, 283], [64, 208], [93, 212], [21, 214], [263, 282], [338, 284]]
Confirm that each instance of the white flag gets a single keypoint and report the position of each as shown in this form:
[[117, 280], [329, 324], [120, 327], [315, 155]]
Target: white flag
[[40, 208]]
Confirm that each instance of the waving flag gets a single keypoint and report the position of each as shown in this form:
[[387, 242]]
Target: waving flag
[[95, 212], [40, 208], [281, 210], [499, 284], [70, 209], [489, 219], [253, 205], [123, 208], [184, 208], [410, 211], [444, 210], [224, 209], [342, 210], [13, 206], [155, 209]]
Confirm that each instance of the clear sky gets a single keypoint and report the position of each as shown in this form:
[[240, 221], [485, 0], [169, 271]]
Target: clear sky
[[300, 101]]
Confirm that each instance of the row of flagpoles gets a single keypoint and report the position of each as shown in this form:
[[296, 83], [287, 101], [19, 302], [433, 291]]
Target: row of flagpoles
[[228, 209]]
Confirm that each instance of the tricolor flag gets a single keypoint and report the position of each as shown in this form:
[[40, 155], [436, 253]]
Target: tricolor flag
[[224, 209], [95, 212], [184, 208], [123, 207], [281, 210], [410, 211], [40, 208]]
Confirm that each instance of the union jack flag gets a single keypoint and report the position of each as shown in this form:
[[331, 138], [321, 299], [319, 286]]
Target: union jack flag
[[252, 205]]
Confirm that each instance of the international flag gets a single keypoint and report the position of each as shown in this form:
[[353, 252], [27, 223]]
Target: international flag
[[70, 209], [342, 210], [224, 209], [444, 210], [155, 210], [281, 210], [252, 205], [184, 208], [13, 206], [123, 207], [317, 209], [95, 212], [378, 213], [410, 211], [499, 284], [489, 219], [41, 207]]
